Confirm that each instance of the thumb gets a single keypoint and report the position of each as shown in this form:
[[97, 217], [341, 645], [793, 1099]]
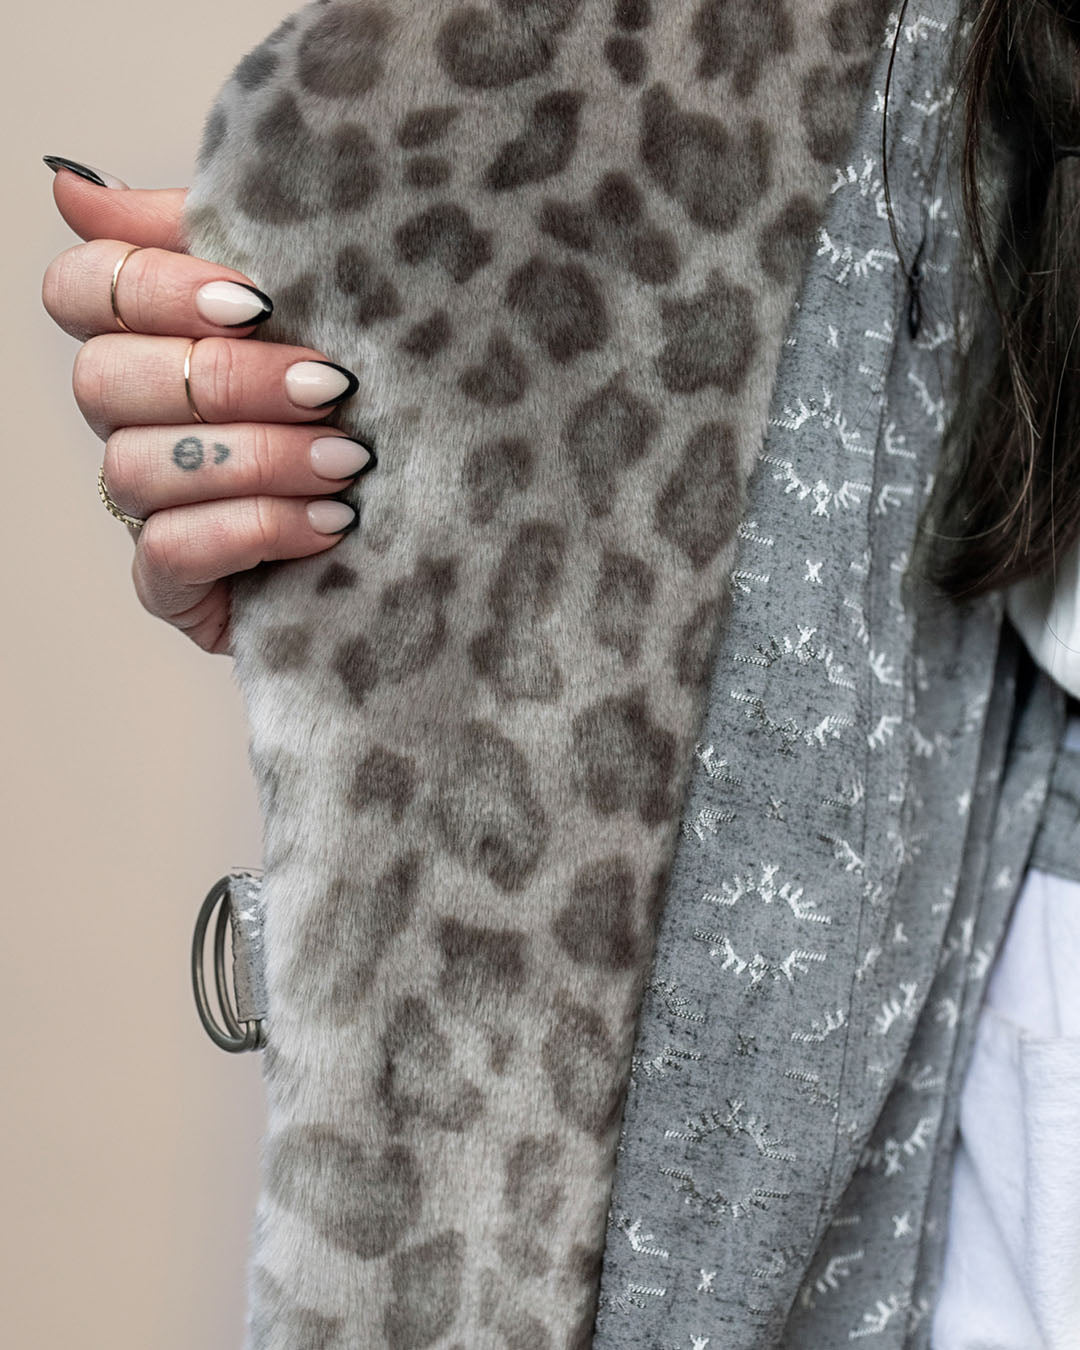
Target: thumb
[[150, 217]]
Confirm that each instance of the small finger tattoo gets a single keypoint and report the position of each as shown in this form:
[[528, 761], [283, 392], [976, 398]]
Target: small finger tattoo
[[188, 453]]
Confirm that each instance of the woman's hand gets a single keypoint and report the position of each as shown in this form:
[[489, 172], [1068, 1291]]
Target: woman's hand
[[247, 485]]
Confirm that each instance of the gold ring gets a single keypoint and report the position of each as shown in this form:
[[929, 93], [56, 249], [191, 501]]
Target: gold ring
[[112, 289], [111, 506], [187, 382]]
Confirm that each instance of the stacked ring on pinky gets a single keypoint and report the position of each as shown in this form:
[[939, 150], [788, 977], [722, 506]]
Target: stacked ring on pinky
[[136, 522]]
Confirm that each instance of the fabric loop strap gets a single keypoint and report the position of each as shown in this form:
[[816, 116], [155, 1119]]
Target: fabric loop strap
[[1057, 844]]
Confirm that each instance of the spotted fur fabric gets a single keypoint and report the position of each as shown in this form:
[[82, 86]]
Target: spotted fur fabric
[[559, 241]]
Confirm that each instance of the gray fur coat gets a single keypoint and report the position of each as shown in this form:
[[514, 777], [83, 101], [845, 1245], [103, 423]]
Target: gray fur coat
[[619, 715]]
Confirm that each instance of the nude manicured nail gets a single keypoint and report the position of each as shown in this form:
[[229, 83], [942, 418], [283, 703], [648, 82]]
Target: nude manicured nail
[[232, 305], [318, 384], [338, 457], [330, 517], [56, 162]]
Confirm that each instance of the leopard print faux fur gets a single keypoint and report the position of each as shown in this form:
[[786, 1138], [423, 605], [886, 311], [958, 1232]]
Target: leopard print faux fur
[[560, 242]]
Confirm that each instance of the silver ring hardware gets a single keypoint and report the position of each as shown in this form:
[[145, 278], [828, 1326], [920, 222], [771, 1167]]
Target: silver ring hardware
[[233, 1028]]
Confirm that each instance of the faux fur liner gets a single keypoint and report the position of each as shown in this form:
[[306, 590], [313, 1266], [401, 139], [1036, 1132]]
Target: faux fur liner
[[559, 243]]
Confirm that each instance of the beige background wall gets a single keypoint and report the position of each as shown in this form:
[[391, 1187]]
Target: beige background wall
[[128, 1141]]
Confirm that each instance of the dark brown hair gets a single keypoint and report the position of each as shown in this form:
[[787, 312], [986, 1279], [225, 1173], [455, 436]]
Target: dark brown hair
[[1006, 499]]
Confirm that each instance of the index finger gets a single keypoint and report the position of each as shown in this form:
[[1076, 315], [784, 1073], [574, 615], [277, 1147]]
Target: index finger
[[152, 217], [157, 293]]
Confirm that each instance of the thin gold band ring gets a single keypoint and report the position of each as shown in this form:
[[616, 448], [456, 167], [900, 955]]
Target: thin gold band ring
[[187, 383], [112, 289]]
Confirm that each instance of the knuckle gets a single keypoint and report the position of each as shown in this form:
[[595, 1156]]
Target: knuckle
[[155, 289], [263, 468], [265, 526], [59, 285], [166, 551], [139, 568], [126, 473], [89, 375], [52, 289], [219, 379], [219, 530]]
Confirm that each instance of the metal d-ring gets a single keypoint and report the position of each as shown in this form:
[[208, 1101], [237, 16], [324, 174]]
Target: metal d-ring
[[235, 1038]]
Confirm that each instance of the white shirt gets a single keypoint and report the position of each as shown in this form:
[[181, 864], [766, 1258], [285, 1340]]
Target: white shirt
[[1047, 617], [1011, 1278]]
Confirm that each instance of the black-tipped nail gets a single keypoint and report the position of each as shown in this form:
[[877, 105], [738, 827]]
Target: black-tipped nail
[[351, 525], [263, 298], [354, 385], [368, 466], [56, 162]]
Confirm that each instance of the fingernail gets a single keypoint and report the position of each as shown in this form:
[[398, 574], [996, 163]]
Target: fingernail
[[330, 517], [338, 457], [230, 304], [56, 162], [318, 384]]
